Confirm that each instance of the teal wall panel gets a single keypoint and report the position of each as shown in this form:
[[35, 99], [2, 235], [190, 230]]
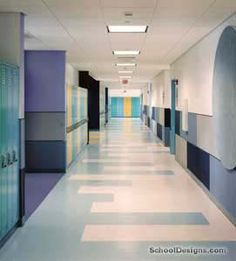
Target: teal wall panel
[[114, 106], [135, 107], [118, 107]]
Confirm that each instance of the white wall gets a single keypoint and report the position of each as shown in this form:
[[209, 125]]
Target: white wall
[[195, 69], [102, 96], [71, 75], [146, 94], [161, 90]]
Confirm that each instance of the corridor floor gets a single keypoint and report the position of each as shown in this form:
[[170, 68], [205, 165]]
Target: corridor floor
[[126, 197]]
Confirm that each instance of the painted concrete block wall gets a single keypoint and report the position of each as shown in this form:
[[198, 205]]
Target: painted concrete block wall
[[72, 76], [45, 101], [206, 139], [45, 77], [194, 70], [222, 186], [208, 165], [161, 90], [181, 151]]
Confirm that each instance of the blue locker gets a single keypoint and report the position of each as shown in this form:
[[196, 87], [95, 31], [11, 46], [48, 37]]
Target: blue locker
[[9, 147]]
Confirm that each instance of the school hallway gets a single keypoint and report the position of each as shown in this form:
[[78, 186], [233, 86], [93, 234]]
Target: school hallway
[[125, 195]]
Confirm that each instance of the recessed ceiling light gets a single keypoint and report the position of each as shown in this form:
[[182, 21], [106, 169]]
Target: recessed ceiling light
[[125, 77], [126, 64], [135, 52], [127, 28], [125, 72]]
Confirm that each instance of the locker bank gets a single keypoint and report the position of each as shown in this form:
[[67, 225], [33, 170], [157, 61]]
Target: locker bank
[[117, 130]]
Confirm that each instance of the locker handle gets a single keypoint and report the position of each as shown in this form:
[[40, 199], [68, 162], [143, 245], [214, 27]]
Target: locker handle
[[3, 162], [9, 161], [14, 158]]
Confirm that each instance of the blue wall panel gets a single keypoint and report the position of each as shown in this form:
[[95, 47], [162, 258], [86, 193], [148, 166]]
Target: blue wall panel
[[177, 122], [45, 77], [159, 131], [167, 137], [192, 128], [47, 155], [198, 161], [223, 185]]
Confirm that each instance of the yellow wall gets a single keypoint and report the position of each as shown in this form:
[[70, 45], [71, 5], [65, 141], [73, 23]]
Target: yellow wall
[[127, 106]]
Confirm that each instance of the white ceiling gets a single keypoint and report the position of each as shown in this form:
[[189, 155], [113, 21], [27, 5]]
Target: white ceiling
[[79, 26]]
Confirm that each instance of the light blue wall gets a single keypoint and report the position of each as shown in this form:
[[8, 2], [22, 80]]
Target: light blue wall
[[223, 185]]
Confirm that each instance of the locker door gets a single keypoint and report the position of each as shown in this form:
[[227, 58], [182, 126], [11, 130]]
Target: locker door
[[15, 145], [12, 128], [3, 154], [9, 148]]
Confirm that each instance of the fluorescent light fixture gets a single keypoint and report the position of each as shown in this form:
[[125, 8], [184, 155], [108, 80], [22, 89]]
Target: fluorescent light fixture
[[126, 64], [124, 72], [125, 77], [127, 28], [135, 52]]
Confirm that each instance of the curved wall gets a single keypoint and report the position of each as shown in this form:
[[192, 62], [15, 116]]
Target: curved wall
[[224, 97]]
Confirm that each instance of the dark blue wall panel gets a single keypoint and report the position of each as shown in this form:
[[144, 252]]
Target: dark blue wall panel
[[167, 137], [46, 156], [198, 162], [167, 118], [159, 131], [177, 122], [153, 113]]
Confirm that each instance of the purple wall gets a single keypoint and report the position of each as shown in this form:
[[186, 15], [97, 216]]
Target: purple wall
[[45, 81]]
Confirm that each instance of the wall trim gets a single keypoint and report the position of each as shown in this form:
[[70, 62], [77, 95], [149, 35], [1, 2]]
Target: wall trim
[[76, 125]]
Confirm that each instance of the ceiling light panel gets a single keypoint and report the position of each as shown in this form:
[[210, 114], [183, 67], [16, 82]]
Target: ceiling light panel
[[131, 52], [126, 64], [128, 4], [127, 28], [125, 77], [124, 72]]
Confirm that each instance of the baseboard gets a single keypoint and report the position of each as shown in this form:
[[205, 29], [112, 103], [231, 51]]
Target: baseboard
[[22, 198], [8, 235], [210, 196], [50, 171]]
